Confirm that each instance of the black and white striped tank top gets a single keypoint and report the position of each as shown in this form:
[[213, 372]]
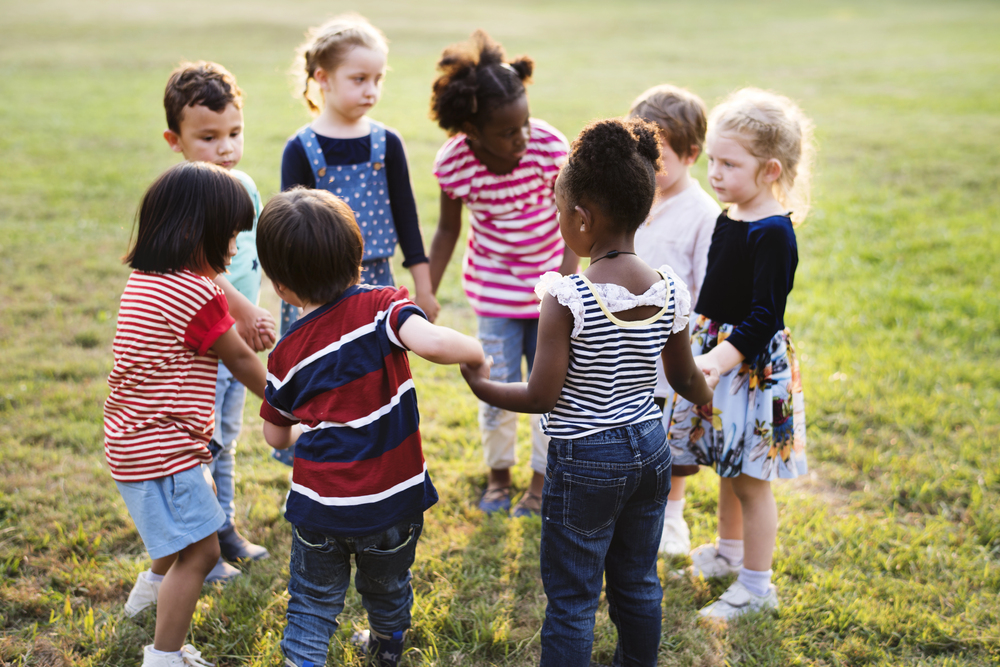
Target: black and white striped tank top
[[612, 362]]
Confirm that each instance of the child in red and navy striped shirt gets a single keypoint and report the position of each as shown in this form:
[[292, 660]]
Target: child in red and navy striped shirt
[[339, 388], [173, 327]]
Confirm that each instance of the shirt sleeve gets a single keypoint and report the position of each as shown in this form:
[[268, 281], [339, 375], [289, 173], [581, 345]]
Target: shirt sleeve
[[271, 414], [210, 322], [402, 202], [775, 257], [400, 308], [295, 169]]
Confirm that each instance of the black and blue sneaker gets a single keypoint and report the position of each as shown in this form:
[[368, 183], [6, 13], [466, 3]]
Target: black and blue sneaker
[[381, 651]]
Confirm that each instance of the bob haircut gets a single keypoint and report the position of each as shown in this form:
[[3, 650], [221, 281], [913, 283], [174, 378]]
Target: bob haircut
[[309, 242], [187, 218]]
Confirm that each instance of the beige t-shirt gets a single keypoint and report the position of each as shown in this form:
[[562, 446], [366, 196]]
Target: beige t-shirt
[[678, 232]]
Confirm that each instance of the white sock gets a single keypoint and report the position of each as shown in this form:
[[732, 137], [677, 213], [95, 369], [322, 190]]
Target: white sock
[[152, 649], [154, 577], [731, 550], [755, 582], [674, 510]]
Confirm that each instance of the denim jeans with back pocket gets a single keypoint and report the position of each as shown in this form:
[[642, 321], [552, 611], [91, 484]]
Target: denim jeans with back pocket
[[320, 572], [602, 516]]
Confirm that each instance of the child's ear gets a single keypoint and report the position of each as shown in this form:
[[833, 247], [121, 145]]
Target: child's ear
[[322, 78], [471, 131], [173, 140], [586, 222], [693, 154], [772, 170]]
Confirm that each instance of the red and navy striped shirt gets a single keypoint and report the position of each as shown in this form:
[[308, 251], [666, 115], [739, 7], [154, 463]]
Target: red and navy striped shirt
[[342, 373]]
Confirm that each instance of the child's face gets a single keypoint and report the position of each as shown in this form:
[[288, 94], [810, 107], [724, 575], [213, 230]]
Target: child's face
[[356, 85], [506, 133], [732, 171], [671, 176], [231, 251], [207, 136]]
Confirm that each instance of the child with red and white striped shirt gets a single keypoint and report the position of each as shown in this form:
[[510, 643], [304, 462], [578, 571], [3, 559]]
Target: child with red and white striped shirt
[[502, 165], [173, 328]]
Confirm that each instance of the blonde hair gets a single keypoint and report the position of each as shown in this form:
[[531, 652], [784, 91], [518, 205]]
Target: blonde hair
[[772, 127], [327, 46], [679, 113]]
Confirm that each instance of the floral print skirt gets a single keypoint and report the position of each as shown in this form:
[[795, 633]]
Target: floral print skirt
[[756, 423]]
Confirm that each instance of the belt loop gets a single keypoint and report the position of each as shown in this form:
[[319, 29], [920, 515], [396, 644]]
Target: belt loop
[[568, 449]]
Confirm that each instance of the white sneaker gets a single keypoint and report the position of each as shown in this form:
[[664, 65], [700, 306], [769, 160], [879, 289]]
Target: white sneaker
[[676, 538], [222, 572], [189, 657], [707, 562], [738, 600], [143, 594]]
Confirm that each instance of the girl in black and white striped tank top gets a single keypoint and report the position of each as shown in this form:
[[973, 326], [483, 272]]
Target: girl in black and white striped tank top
[[599, 334]]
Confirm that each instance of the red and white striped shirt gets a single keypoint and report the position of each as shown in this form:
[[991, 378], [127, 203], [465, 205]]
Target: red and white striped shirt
[[161, 411], [514, 236]]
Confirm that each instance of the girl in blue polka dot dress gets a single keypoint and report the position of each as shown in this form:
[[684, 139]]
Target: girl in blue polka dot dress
[[356, 158]]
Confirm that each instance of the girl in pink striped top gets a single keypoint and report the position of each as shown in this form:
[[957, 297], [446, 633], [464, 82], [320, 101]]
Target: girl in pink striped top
[[502, 165]]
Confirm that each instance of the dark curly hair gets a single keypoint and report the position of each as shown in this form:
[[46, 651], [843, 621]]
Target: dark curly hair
[[612, 165], [475, 81]]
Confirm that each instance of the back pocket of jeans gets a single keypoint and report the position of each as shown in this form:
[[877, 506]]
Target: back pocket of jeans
[[591, 504]]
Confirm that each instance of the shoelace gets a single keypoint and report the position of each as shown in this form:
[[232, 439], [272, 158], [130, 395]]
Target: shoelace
[[192, 656]]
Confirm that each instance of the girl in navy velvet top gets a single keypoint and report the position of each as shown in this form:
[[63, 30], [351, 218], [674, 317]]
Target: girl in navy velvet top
[[758, 148]]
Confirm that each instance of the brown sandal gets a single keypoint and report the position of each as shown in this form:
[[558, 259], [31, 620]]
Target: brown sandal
[[530, 504]]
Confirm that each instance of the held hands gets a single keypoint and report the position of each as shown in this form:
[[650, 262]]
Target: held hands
[[256, 327], [710, 370], [476, 374], [429, 304]]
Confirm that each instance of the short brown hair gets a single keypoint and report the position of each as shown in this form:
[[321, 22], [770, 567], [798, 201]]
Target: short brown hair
[[187, 218], [309, 242], [202, 83], [680, 114]]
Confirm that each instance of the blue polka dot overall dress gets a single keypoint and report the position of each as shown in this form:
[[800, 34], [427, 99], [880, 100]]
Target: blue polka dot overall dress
[[365, 189]]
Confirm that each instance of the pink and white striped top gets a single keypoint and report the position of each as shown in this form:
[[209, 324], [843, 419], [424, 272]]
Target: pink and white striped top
[[514, 236]]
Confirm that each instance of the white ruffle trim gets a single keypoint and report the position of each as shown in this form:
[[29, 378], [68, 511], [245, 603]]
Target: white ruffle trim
[[616, 298]]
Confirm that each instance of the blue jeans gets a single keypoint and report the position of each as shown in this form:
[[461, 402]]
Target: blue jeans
[[602, 511], [230, 395], [507, 340], [320, 572]]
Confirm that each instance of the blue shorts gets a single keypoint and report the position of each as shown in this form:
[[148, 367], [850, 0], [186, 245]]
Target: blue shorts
[[173, 512]]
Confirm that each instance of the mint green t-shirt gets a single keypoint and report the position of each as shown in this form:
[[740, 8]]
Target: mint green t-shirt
[[244, 272]]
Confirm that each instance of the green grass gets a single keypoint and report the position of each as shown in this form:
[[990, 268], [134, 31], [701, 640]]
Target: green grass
[[889, 552]]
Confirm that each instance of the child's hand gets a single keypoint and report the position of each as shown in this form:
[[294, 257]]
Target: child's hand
[[256, 327], [477, 373], [266, 329], [711, 377], [429, 304]]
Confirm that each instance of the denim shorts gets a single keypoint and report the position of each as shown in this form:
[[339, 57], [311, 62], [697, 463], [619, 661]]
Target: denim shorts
[[173, 512]]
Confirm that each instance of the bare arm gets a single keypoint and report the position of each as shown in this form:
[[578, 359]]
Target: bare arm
[[445, 238], [281, 437], [683, 374], [241, 361], [440, 345], [542, 390], [424, 294], [254, 325]]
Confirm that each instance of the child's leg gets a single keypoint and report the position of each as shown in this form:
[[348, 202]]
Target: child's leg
[[632, 585], [501, 339], [319, 572], [383, 581], [730, 511], [677, 488], [760, 521], [180, 590]]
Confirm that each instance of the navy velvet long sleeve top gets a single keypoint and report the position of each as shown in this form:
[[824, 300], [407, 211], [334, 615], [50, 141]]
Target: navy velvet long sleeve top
[[295, 170], [751, 269]]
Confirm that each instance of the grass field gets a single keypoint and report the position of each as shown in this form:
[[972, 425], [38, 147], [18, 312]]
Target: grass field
[[889, 553]]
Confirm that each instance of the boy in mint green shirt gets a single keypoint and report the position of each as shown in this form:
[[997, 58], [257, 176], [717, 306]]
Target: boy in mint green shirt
[[204, 109]]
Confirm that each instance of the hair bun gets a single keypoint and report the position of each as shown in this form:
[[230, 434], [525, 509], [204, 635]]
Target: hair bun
[[646, 138], [523, 67]]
